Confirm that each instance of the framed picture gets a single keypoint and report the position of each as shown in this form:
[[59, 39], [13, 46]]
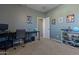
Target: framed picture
[[29, 19], [53, 21], [70, 18], [61, 19]]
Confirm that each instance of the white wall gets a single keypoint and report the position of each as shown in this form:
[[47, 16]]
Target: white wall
[[64, 10], [15, 16]]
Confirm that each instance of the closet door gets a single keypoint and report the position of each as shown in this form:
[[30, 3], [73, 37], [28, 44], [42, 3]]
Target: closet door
[[46, 28]]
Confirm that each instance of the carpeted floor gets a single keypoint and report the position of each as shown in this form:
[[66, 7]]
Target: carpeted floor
[[44, 47]]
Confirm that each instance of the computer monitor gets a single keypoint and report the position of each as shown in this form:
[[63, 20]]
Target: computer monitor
[[3, 27]]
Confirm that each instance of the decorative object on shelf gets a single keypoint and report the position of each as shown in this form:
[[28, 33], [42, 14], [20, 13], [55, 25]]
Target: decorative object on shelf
[[75, 29], [70, 18], [54, 21], [29, 19]]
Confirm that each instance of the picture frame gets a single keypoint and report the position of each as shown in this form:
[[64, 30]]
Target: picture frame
[[61, 19], [70, 18], [29, 19], [53, 21]]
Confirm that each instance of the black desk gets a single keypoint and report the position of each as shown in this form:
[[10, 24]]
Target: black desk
[[6, 40], [10, 36]]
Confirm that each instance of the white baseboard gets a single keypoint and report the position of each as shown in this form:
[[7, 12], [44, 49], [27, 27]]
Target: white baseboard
[[59, 41]]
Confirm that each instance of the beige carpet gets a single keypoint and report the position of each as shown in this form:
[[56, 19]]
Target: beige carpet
[[44, 47]]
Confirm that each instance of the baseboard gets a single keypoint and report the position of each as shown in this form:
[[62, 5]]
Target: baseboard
[[59, 41]]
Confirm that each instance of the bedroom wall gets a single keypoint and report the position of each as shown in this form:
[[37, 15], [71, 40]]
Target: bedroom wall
[[16, 15], [61, 12]]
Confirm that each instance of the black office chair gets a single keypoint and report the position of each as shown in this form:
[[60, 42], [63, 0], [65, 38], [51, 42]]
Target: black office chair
[[20, 37]]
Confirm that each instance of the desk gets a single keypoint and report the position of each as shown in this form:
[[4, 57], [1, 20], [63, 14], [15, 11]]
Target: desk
[[10, 36], [4, 40]]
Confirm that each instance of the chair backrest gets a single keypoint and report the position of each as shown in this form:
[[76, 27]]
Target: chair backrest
[[20, 33]]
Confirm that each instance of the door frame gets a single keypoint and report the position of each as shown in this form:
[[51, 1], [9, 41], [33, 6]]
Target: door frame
[[39, 17], [48, 28]]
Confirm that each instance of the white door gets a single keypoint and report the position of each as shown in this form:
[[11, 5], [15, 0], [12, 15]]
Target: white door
[[40, 25], [46, 28]]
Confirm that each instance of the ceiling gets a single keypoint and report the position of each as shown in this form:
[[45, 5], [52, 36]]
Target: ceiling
[[42, 7]]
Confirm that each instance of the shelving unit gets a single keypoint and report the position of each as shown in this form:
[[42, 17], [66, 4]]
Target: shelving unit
[[70, 37]]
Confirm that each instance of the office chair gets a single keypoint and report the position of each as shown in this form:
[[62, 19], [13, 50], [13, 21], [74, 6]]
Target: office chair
[[20, 37]]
